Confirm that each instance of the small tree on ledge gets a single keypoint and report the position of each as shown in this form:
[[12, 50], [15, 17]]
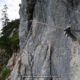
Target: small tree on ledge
[[4, 16]]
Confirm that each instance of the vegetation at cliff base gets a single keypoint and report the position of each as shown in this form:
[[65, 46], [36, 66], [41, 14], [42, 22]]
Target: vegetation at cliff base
[[5, 73], [9, 41], [9, 44]]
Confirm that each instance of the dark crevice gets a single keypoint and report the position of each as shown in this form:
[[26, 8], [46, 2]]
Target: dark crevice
[[71, 6], [51, 50], [19, 67], [73, 3], [25, 71], [30, 11], [31, 62], [70, 33]]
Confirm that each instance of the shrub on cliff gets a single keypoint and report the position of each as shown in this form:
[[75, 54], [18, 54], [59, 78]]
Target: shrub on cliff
[[9, 41]]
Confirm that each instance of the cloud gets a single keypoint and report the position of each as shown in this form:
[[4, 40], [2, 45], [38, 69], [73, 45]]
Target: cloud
[[13, 9]]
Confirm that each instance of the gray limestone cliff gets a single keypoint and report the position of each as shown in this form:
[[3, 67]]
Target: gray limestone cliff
[[46, 52]]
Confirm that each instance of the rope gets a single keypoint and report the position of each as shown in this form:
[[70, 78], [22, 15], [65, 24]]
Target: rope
[[38, 22], [46, 24]]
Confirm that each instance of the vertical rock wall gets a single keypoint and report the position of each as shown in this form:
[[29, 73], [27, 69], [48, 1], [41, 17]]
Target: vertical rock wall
[[46, 52]]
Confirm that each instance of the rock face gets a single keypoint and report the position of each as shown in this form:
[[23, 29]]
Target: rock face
[[46, 53]]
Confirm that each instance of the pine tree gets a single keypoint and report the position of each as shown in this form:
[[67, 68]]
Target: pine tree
[[4, 16]]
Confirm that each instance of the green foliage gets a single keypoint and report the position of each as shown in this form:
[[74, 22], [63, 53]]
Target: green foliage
[[7, 30], [4, 73], [14, 40], [10, 38], [9, 41], [4, 42]]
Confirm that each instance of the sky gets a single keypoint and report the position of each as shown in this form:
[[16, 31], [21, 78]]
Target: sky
[[13, 9]]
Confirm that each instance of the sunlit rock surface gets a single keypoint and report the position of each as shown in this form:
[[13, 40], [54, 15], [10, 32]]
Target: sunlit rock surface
[[46, 52]]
